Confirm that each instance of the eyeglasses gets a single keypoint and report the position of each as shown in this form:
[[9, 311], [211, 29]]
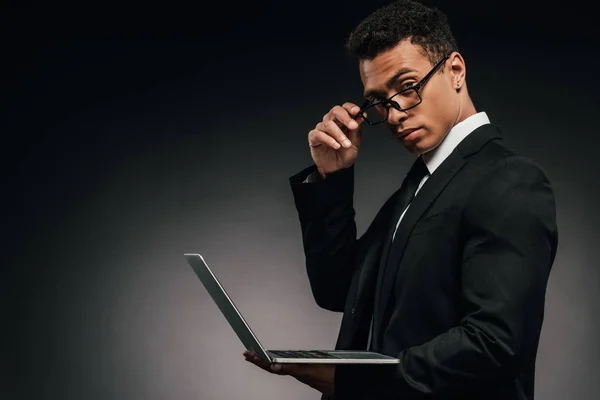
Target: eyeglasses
[[401, 101]]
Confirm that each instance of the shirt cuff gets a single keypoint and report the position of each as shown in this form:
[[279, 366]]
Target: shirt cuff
[[313, 177]]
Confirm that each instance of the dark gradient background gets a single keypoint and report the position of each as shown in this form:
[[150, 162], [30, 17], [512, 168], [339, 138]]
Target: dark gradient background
[[132, 135]]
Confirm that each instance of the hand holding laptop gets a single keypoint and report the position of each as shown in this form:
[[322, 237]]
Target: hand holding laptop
[[318, 376]]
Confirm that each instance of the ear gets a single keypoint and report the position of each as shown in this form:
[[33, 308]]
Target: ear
[[458, 70]]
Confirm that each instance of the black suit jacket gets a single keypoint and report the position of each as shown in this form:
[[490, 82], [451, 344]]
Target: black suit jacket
[[462, 308]]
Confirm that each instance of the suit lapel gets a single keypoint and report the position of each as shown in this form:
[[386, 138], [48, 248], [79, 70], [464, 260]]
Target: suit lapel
[[421, 203], [432, 188]]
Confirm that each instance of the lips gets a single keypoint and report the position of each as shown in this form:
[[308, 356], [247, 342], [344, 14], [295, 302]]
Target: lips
[[405, 132]]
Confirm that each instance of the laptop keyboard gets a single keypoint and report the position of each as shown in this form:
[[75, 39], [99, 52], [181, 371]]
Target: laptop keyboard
[[301, 354]]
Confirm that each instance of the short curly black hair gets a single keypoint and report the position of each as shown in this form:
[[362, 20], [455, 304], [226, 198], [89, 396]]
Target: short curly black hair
[[404, 19]]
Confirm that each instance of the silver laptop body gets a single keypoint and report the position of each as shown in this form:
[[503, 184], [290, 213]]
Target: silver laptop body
[[250, 341]]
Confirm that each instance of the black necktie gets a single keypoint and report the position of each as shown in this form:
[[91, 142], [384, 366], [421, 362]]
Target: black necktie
[[409, 187], [405, 196]]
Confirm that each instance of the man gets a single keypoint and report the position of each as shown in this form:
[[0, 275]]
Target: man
[[450, 280]]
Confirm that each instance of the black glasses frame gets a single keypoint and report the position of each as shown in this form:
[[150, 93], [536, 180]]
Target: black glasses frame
[[391, 103]]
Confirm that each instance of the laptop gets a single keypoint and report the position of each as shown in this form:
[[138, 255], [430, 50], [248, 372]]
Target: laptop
[[250, 341]]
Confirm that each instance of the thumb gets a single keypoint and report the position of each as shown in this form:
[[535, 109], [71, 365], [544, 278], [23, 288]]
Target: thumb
[[355, 134]]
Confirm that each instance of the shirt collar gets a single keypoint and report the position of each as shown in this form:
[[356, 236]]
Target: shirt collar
[[434, 158]]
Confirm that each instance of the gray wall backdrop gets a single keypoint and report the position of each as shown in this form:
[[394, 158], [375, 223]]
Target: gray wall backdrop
[[121, 152]]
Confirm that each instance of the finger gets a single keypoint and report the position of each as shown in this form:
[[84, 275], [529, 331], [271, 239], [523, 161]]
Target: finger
[[259, 363], [318, 138], [261, 366], [333, 130], [252, 357], [341, 117], [353, 110], [348, 113], [284, 369], [277, 369], [359, 117], [348, 106], [355, 135]]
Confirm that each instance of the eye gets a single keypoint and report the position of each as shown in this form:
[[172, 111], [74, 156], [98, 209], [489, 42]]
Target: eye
[[407, 85]]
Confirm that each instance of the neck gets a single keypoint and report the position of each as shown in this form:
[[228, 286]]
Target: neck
[[466, 109]]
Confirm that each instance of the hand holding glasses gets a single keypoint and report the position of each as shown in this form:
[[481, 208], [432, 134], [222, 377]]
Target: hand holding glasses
[[334, 142]]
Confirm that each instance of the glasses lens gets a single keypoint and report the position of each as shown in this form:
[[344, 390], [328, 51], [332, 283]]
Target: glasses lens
[[375, 113], [407, 99], [378, 112]]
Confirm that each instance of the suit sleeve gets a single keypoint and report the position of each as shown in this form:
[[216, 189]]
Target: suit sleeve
[[326, 213], [510, 240]]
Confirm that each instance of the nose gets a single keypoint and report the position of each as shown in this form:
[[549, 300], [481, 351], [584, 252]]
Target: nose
[[395, 116]]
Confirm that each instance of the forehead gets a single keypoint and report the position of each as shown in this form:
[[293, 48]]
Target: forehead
[[374, 73]]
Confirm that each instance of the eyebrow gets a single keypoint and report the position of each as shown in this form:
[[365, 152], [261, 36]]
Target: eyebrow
[[390, 83]]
